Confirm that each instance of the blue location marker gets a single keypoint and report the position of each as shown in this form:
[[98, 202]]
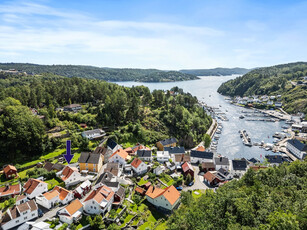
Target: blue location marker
[[68, 156]]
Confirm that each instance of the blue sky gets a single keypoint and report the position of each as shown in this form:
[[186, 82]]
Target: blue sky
[[161, 34]]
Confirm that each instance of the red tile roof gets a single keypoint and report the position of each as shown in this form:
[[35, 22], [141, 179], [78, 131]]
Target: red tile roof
[[209, 176], [67, 171], [186, 166], [74, 206], [170, 193], [136, 163], [31, 184], [10, 190], [122, 153], [100, 194], [8, 168]]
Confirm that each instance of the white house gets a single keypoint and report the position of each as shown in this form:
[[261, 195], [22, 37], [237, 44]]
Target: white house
[[238, 167], [170, 166], [138, 166], [163, 156], [270, 103], [57, 195], [278, 104], [120, 156], [164, 199], [112, 147], [221, 162], [19, 214], [144, 154], [200, 156], [99, 201], [297, 148], [160, 169], [70, 176], [72, 212], [34, 187]]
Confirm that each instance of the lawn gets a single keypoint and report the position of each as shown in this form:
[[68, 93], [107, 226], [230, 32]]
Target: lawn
[[52, 183], [197, 195], [127, 219], [142, 182], [75, 158]]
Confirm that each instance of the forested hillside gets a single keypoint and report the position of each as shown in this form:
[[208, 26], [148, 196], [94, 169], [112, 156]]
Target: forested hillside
[[131, 114], [272, 198], [215, 71], [279, 79], [107, 74]]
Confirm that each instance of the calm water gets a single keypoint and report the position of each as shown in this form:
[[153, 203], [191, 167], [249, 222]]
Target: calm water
[[230, 143]]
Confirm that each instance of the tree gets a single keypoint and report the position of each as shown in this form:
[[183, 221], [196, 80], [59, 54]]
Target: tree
[[207, 140], [283, 220]]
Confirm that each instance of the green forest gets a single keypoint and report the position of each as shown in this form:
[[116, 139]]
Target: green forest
[[130, 115], [280, 79], [273, 198], [107, 74], [215, 71]]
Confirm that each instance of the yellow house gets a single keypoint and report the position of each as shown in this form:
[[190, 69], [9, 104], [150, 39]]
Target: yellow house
[[90, 161], [171, 142]]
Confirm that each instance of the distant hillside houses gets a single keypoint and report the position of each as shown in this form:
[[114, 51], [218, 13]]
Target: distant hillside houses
[[274, 100], [93, 134]]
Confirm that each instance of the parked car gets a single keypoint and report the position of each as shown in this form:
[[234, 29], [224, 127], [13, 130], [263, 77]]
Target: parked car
[[40, 213], [179, 188], [191, 184]]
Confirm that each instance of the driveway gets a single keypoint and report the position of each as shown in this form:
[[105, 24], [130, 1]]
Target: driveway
[[198, 181], [49, 214]]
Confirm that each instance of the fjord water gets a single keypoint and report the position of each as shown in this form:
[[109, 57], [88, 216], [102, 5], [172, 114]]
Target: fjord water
[[230, 143]]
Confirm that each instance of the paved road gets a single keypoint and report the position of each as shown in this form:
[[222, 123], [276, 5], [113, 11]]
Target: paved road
[[198, 182], [49, 215]]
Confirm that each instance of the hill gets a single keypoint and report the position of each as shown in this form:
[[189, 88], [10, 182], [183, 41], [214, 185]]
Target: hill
[[216, 71], [107, 74], [285, 79], [130, 115], [271, 199]]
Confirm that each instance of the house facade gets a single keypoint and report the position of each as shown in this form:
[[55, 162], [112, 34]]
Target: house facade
[[72, 212], [138, 166], [34, 187], [55, 196], [239, 167], [72, 108], [200, 156], [70, 176], [163, 156], [144, 155], [10, 191], [82, 189], [19, 214], [99, 201], [10, 171], [158, 170], [163, 199], [221, 162], [90, 162], [188, 169], [297, 148], [120, 156]]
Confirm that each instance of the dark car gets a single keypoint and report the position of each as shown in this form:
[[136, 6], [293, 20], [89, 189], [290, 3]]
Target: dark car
[[191, 183], [40, 213], [179, 188]]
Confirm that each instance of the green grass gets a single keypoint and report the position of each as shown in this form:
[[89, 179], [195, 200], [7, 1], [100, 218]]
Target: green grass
[[142, 182], [75, 158], [195, 195], [127, 219], [52, 183]]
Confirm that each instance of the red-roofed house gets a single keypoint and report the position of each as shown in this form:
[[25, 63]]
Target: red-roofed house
[[10, 171], [187, 169], [70, 176], [138, 166], [99, 201], [10, 191], [120, 156], [164, 199], [57, 195], [34, 187], [72, 212], [132, 151]]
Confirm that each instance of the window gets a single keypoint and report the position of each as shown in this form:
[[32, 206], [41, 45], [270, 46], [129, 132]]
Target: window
[[166, 204], [25, 218], [17, 221], [33, 214], [93, 202], [91, 206], [94, 207]]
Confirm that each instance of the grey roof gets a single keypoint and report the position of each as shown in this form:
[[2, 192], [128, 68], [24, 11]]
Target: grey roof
[[254, 160], [200, 154], [105, 177], [91, 158], [221, 161], [83, 157], [94, 131], [223, 172], [144, 153], [297, 144], [112, 167], [58, 167], [121, 192], [72, 106], [275, 159], [239, 164], [111, 144], [48, 166], [168, 141], [175, 150]]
